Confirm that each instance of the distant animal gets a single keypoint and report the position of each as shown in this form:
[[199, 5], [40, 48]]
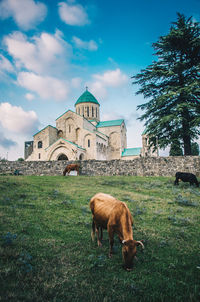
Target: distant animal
[[71, 167], [114, 215], [17, 172], [186, 177]]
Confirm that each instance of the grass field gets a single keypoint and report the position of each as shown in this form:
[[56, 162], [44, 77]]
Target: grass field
[[46, 253]]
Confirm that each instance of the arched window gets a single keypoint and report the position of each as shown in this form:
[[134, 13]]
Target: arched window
[[39, 144], [60, 133], [81, 156], [78, 130], [87, 111], [39, 155], [88, 143], [96, 112], [92, 111]]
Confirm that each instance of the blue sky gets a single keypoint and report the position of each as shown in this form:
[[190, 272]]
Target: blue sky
[[50, 50]]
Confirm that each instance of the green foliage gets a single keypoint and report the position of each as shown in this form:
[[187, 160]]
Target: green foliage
[[175, 148], [195, 149], [46, 251], [3, 159], [172, 84], [20, 159]]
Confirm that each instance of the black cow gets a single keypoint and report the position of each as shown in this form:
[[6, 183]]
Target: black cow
[[186, 177]]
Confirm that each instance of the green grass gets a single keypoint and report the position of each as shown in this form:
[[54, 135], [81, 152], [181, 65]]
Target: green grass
[[46, 253]]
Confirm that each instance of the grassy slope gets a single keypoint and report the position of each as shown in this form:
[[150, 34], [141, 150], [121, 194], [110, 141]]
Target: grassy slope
[[48, 255]]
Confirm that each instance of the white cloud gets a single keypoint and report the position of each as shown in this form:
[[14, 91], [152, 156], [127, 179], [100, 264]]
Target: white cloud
[[98, 89], [73, 14], [29, 96], [45, 87], [89, 45], [26, 13], [15, 119], [41, 54], [76, 82], [5, 65], [112, 78]]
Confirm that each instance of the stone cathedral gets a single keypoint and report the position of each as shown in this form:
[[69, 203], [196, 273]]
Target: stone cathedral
[[80, 135]]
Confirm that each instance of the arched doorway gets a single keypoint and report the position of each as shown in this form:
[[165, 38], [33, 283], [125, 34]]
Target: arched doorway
[[62, 157], [81, 156]]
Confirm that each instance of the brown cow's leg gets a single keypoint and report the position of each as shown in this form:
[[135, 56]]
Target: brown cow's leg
[[101, 234], [98, 241], [93, 230], [111, 238]]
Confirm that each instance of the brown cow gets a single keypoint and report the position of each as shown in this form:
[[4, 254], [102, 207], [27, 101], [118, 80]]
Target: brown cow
[[114, 215], [71, 167]]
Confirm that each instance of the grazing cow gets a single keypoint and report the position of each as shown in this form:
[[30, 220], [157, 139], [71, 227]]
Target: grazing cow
[[186, 177], [114, 215], [71, 167]]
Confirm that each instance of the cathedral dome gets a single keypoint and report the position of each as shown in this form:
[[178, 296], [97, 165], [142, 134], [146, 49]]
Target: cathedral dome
[[87, 97], [88, 106]]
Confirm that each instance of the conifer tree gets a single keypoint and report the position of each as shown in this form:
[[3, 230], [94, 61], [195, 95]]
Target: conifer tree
[[175, 148], [195, 148], [172, 85]]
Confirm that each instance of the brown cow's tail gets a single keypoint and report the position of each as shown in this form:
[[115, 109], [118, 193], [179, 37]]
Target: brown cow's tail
[[93, 230]]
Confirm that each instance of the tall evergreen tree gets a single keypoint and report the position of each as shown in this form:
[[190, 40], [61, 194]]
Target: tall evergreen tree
[[175, 148], [195, 148], [172, 85]]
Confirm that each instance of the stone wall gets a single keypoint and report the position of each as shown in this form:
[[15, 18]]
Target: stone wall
[[149, 166]]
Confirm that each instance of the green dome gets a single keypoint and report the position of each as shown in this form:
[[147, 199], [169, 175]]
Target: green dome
[[87, 97]]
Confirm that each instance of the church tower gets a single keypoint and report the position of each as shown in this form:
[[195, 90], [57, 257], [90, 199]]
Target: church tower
[[88, 106]]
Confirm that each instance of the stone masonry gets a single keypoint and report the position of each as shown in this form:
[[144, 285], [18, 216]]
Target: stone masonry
[[143, 166]]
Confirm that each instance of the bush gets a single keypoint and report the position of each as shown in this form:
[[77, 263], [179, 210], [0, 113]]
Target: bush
[[20, 159]]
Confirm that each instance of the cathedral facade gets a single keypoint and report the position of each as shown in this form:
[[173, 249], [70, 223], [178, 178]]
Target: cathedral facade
[[80, 135]]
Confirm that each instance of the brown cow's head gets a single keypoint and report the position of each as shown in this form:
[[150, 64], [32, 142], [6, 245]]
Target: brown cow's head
[[129, 252]]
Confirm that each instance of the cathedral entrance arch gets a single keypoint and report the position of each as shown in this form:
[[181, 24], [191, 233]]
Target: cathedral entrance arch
[[62, 157], [61, 153]]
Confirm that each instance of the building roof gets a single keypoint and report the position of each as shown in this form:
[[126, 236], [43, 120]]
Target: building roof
[[131, 152], [87, 97], [61, 138], [110, 123], [64, 113], [44, 129]]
